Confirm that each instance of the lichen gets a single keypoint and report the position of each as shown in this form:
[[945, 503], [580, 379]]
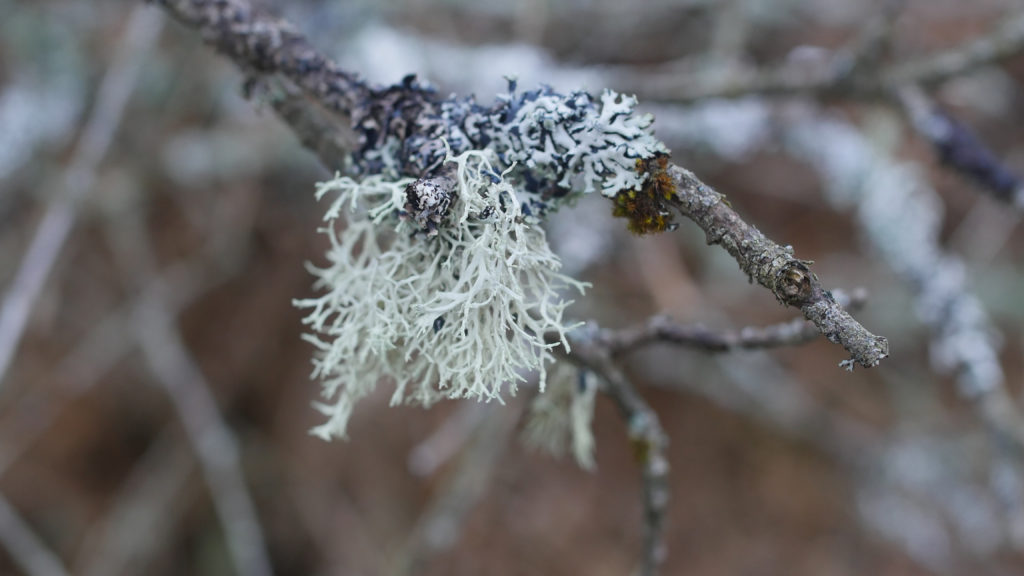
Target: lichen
[[647, 208], [560, 420], [463, 314], [560, 145], [446, 284]]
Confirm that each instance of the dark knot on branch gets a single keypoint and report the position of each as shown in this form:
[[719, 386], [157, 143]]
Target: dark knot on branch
[[429, 199], [794, 284]]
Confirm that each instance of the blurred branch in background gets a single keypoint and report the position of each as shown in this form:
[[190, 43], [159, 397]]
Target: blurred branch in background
[[142, 31], [146, 512], [39, 259], [27, 550], [176, 370], [846, 74], [850, 74], [439, 527], [316, 129], [448, 440], [960, 149]]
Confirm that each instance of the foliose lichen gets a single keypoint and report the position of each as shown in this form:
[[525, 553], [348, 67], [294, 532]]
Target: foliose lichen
[[559, 144]]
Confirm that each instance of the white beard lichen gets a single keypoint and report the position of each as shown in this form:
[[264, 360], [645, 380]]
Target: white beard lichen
[[460, 314]]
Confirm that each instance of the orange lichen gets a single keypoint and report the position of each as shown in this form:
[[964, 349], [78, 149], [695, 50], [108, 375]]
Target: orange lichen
[[647, 209]]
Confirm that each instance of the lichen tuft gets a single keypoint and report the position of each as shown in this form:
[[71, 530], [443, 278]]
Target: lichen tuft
[[648, 208], [461, 314]]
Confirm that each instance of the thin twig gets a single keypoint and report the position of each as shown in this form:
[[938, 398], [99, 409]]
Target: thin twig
[[142, 30], [649, 443], [177, 371], [960, 149], [775, 267], [25, 548], [663, 329], [840, 77]]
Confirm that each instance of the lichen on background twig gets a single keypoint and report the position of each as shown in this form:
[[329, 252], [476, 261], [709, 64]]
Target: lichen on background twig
[[884, 192]]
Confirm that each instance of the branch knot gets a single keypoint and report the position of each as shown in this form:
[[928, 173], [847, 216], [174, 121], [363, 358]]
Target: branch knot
[[794, 283]]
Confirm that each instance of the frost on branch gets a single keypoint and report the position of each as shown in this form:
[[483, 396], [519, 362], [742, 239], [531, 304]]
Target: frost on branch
[[456, 315]]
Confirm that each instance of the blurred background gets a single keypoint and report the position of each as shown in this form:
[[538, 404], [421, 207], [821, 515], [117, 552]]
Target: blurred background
[[159, 385]]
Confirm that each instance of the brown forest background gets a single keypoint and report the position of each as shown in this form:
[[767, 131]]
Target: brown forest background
[[92, 453]]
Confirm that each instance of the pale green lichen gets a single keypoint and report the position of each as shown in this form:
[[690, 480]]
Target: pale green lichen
[[462, 314]]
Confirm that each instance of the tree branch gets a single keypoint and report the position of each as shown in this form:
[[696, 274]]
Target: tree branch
[[774, 267], [843, 75], [265, 44], [440, 525], [663, 329], [959, 149], [649, 444], [41, 256], [847, 75]]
